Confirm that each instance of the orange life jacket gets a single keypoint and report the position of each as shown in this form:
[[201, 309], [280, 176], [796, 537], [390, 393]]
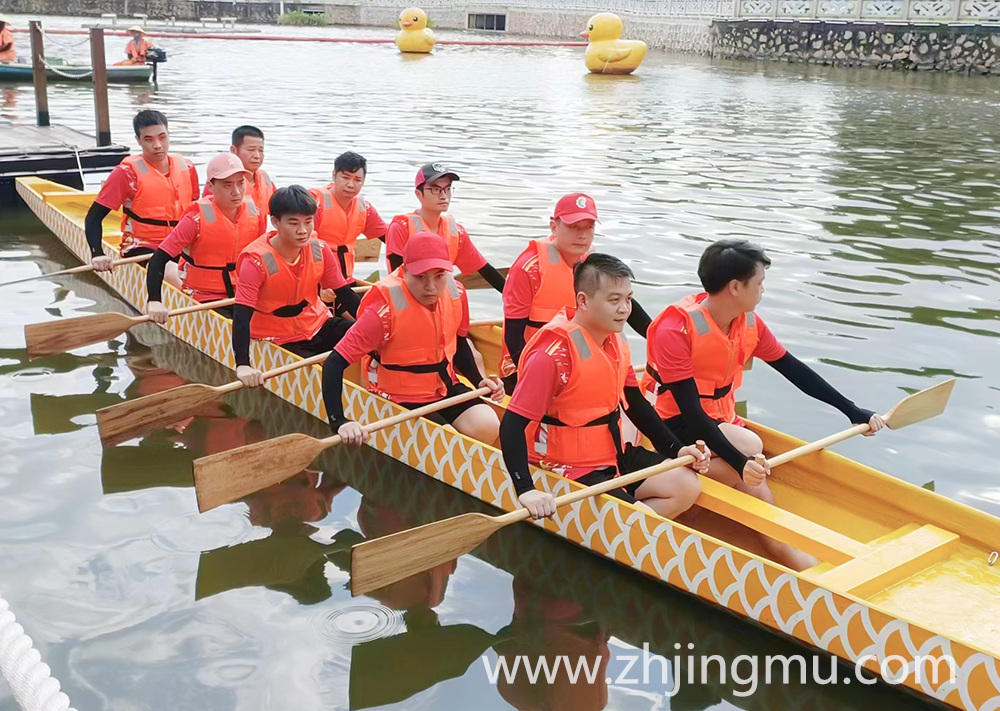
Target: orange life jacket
[[260, 190], [137, 53], [718, 359], [341, 229], [416, 362], [210, 262], [158, 204], [581, 424], [288, 307], [555, 293], [447, 229], [7, 37]]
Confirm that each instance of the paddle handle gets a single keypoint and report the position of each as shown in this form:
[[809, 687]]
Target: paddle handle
[[80, 270], [413, 414], [818, 445], [201, 307], [602, 488]]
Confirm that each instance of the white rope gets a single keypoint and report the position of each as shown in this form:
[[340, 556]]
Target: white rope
[[21, 665], [64, 74]]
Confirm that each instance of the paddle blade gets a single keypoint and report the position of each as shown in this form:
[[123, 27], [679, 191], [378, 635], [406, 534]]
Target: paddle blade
[[127, 420], [66, 334], [920, 406], [386, 560], [228, 476], [476, 281]]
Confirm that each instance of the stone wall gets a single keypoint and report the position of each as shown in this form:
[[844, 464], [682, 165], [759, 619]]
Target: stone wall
[[972, 49]]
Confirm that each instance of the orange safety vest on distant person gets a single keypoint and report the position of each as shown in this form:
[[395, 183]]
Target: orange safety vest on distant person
[[581, 424], [288, 307], [555, 293], [137, 53], [158, 204], [416, 361], [7, 37], [717, 358], [210, 262], [447, 230], [341, 229]]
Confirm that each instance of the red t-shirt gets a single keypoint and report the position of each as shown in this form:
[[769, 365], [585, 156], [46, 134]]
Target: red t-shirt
[[122, 184], [374, 327], [187, 232], [374, 224], [468, 260], [546, 372]]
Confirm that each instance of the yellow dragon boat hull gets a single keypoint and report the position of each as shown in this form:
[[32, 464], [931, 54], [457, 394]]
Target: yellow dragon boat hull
[[928, 612]]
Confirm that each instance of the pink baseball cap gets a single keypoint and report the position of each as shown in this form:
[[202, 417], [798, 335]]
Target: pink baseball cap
[[426, 251], [225, 165], [575, 207]]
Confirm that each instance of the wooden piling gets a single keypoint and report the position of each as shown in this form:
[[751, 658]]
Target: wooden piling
[[38, 72], [99, 67]]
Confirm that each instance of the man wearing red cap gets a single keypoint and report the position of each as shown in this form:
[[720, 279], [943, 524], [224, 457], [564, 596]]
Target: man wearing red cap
[[434, 186], [411, 338], [540, 282], [209, 237]]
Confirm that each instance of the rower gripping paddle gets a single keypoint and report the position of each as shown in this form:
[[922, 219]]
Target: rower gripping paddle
[[228, 476], [63, 335]]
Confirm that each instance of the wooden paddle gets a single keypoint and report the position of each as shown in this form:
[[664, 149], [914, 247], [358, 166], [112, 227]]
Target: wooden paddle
[[228, 476], [386, 560], [79, 270], [476, 281], [66, 334], [127, 420]]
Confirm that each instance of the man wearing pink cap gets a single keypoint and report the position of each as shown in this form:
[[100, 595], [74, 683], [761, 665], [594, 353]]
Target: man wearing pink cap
[[411, 338], [434, 186], [540, 282], [209, 237]]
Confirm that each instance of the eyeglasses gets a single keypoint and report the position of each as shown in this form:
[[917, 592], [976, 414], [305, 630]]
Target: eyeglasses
[[438, 191]]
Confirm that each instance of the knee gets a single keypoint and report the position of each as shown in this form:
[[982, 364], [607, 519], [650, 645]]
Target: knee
[[689, 488], [747, 442]]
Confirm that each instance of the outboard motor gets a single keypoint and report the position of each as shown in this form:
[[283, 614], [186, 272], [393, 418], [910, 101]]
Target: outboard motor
[[154, 57]]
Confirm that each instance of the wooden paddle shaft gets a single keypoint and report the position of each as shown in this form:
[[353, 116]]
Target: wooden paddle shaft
[[818, 445], [413, 414], [81, 269], [268, 374], [198, 307], [487, 322]]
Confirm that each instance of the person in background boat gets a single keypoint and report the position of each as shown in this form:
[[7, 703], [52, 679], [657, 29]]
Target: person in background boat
[[575, 375], [434, 185], [8, 54], [343, 214], [153, 189], [279, 277], [696, 350], [208, 238], [540, 282], [137, 47], [248, 146], [415, 325]]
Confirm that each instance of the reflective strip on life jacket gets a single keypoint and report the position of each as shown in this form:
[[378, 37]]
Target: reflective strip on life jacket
[[717, 358]]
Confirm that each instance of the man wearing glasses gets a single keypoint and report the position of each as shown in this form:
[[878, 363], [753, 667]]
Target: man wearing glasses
[[434, 186]]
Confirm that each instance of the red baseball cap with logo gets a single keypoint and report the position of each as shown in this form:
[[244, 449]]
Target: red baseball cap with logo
[[426, 251], [575, 207]]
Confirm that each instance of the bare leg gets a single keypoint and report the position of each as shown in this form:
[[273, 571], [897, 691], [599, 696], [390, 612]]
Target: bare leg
[[670, 493], [171, 275], [479, 422], [750, 444]]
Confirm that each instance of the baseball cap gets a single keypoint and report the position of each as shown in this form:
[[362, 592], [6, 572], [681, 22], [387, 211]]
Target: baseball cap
[[426, 251], [224, 165], [433, 171], [575, 207]]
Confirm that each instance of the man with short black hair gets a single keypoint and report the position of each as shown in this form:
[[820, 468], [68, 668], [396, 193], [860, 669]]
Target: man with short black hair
[[434, 185], [696, 350], [279, 278], [248, 146], [343, 214], [153, 189], [574, 377]]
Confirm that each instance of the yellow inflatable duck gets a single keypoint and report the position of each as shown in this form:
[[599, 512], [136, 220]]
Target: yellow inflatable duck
[[414, 36], [608, 53]]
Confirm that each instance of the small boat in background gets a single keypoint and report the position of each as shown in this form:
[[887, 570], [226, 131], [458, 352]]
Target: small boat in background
[[76, 72]]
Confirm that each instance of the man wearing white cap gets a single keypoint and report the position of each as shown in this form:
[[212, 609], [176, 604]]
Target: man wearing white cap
[[7, 52], [209, 238]]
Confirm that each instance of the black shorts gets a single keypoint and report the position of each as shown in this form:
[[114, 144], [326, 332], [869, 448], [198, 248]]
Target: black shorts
[[448, 415], [682, 429], [632, 460], [324, 340], [139, 251]]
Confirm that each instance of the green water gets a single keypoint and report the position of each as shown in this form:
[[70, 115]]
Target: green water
[[876, 194]]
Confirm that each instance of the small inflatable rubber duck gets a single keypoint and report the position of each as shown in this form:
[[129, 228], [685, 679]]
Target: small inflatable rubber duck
[[608, 53], [414, 36]]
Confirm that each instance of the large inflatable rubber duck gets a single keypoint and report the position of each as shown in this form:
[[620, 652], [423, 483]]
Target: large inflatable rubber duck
[[608, 53], [414, 36]]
